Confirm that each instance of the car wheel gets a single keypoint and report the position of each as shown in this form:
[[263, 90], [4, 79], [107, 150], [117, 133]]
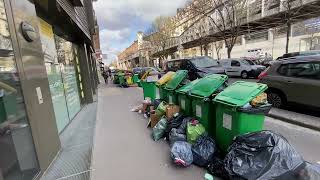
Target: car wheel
[[244, 74], [275, 99]]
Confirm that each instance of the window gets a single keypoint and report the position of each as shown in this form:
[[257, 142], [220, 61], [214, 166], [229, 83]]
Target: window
[[235, 63], [303, 70]]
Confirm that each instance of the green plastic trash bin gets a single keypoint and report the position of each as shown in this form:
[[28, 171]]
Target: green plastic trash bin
[[122, 79], [149, 89], [174, 84], [230, 121], [184, 100], [135, 78], [202, 94], [162, 92]]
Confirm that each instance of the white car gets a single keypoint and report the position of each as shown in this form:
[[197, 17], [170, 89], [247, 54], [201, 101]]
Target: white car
[[241, 67]]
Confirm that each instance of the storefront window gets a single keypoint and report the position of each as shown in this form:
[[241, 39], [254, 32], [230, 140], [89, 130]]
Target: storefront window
[[67, 58], [18, 159], [54, 75]]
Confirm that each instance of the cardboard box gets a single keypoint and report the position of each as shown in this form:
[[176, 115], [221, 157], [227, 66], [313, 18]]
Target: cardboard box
[[154, 118], [171, 110]]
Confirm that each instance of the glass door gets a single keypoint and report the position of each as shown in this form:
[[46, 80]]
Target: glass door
[[18, 159]]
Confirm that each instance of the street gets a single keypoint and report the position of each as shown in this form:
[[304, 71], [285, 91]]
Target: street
[[124, 147]]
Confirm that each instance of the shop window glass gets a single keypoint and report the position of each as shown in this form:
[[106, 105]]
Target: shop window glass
[[54, 75], [18, 158], [67, 55]]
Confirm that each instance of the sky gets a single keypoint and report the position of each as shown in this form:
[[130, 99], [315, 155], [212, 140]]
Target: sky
[[120, 20]]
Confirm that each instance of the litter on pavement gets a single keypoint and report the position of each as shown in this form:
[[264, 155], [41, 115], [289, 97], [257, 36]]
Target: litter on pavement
[[232, 143]]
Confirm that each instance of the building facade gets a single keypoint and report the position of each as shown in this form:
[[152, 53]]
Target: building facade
[[48, 72]]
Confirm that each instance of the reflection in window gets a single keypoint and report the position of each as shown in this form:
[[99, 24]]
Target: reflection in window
[[17, 154]]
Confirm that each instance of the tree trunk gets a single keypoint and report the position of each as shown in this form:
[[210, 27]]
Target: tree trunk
[[288, 36], [201, 49], [206, 50], [229, 49]]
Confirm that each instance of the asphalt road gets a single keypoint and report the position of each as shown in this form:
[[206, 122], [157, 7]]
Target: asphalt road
[[123, 147]]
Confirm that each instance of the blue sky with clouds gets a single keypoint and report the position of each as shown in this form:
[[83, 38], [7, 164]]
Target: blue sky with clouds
[[120, 20]]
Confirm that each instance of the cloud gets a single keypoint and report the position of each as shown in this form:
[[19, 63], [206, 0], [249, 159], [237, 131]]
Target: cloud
[[119, 20]]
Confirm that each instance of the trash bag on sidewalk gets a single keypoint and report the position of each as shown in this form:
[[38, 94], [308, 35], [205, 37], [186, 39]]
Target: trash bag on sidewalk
[[183, 125], [181, 153], [203, 150], [158, 130], [161, 109], [175, 136], [262, 155], [216, 168], [194, 130], [309, 172], [156, 103], [175, 122]]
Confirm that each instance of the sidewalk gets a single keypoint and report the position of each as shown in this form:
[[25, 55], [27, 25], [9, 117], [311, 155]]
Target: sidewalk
[[74, 159], [124, 148]]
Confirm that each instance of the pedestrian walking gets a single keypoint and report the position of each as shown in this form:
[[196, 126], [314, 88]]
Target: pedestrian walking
[[105, 75]]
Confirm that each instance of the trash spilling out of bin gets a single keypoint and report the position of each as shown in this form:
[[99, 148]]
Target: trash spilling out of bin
[[231, 116]]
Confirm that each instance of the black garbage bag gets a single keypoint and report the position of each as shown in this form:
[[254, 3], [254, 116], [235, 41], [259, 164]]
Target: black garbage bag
[[175, 135], [156, 103], [203, 150], [309, 172], [175, 122], [184, 124], [257, 110], [181, 153], [262, 155], [216, 168]]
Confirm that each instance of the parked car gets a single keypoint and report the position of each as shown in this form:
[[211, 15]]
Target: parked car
[[293, 80], [241, 67], [302, 53], [197, 67], [137, 70]]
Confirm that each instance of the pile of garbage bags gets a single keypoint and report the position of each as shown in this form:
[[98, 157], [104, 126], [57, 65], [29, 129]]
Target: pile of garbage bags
[[257, 155], [262, 155]]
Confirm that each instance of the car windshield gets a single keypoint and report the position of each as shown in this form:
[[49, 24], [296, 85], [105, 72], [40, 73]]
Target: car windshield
[[204, 62]]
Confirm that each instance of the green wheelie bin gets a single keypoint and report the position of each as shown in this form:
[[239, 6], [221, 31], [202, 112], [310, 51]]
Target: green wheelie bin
[[149, 89], [184, 100], [232, 119], [135, 78], [122, 79], [202, 94], [173, 84]]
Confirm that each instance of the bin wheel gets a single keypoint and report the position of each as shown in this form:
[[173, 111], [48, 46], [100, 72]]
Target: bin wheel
[[276, 99], [244, 74]]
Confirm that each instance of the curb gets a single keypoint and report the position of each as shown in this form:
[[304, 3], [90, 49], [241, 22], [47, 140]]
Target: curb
[[308, 122]]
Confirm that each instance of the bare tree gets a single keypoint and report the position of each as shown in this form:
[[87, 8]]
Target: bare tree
[[225, 17], [159, 33], [218, 46], [291, 9]]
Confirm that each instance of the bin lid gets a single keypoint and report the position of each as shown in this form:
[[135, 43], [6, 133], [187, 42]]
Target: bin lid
[[240, 93], [186, 88], [176, 80], [208, 85]]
